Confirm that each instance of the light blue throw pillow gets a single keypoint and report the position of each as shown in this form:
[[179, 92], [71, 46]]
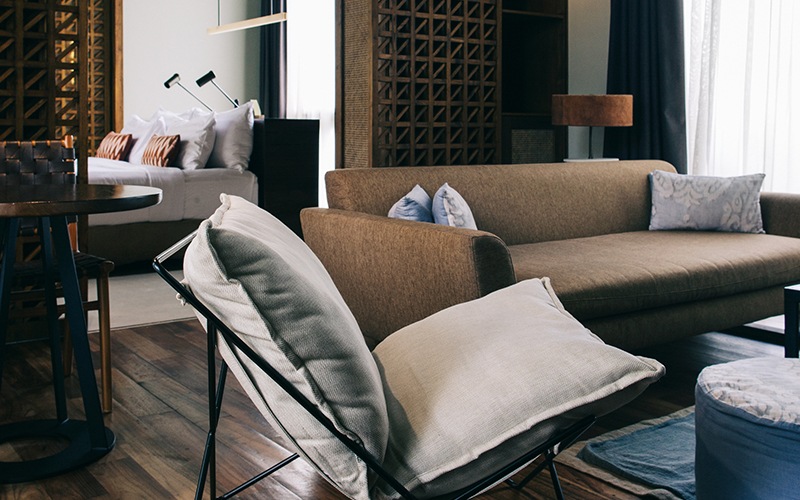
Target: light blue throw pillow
[[706, 203], [450, 209], [416, 205]]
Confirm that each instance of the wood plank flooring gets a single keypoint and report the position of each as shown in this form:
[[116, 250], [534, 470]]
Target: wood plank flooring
[[159, 419]]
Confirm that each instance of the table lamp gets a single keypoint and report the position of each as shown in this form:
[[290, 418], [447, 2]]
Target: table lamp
[[609, 110]]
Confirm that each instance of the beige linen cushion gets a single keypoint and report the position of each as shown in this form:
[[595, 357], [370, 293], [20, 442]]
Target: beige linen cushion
[[480, 383], [262, 281]]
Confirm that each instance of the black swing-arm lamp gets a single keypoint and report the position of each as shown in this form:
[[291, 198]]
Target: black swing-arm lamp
[[209, 77], [176, 80]]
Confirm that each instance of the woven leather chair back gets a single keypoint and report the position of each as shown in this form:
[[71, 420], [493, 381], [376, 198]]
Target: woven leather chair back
[[37, 162]]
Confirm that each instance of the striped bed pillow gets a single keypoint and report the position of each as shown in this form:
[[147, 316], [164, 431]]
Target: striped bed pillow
[[115, 146], [161, 150]]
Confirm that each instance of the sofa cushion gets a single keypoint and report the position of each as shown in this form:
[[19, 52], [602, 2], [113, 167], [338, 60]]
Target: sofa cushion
[[451, 209], [262, 281], [625, 272], [706, 203], [415, 205], [480, 383]]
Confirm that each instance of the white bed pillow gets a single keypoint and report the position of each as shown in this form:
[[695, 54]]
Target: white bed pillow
[[197, 138], [142, 130], [234, 138]]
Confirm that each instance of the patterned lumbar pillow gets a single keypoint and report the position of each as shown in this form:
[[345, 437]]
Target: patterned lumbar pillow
[[451, 209], [416, 205], [115, 146], [161, 150], [706, 203]]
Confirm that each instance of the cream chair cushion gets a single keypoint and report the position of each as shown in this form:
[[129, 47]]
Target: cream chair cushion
[[480, 383], [263, 282]]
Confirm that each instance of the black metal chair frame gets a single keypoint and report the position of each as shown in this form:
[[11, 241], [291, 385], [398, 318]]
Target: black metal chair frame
[[216, 387]]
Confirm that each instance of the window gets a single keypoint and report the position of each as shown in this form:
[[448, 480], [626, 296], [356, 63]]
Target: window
[[743, 69]]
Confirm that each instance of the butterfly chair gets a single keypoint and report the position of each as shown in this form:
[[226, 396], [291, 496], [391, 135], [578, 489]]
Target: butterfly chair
[[446, 407], [53, 162]]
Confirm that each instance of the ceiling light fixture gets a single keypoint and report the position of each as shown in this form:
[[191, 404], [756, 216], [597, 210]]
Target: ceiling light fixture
[[247, 23]]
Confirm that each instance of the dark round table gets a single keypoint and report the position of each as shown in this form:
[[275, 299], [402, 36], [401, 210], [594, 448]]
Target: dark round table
[[52, 204]]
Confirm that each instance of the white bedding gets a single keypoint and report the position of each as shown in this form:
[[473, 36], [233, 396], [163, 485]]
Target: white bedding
[[187, 194]]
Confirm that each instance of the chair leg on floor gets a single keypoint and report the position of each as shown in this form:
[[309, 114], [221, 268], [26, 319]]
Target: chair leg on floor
[[104, 324], [554, 475]]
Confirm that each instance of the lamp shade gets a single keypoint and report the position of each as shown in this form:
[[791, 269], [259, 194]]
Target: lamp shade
[[610, 110]]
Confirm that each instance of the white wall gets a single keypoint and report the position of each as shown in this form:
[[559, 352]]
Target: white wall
[[162, 37], [587, 62]]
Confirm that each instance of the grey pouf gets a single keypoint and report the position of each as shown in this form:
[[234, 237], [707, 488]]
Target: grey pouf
[[747, 430]]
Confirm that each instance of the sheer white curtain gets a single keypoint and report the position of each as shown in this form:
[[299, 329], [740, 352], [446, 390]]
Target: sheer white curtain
[[742, 101], [311, 72]]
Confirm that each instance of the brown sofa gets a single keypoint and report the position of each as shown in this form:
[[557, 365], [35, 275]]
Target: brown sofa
[[584, 225]]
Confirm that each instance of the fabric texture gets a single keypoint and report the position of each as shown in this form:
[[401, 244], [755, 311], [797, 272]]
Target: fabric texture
[[233, 142], [402, 256], [197, 132], [621, 273], [613, 198], [142, 130], [660, 456], [748, 429], [416, 205], [645, 61], [115, 146], [272, 89], [161, 150], [264, 283], [451, 209], [477, 384], [763, 390], [706, 203]]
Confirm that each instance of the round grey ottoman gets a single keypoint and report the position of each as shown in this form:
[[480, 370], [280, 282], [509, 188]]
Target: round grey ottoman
[[747, 430]]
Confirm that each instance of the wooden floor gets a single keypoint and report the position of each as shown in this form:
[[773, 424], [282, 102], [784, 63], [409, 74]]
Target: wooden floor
[[159, 419]]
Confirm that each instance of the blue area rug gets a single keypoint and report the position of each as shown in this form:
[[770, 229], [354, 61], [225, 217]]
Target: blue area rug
[[650, 459], [659, 456]]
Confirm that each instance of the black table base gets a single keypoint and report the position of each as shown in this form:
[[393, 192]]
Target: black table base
[[78, 453], [89, 439]]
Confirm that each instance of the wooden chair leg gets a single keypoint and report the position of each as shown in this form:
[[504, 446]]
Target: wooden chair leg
[[104, 323]]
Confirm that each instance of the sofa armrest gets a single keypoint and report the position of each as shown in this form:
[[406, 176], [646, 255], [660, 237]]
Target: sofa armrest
[[781, 214], [394, 272]]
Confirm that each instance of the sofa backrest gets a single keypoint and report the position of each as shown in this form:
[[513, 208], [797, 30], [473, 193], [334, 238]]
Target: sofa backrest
[[519, 203]]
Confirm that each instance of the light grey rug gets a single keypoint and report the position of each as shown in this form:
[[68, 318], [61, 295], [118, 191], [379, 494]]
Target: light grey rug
[[141, 299]]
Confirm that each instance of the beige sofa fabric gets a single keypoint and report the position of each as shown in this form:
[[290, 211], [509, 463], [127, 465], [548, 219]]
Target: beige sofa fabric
[[582, 224], [518, 203], [380, 266], [618, 273]]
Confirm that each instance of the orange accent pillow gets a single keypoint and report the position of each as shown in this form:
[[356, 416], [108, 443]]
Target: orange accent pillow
[[115, 146], [161, 150]]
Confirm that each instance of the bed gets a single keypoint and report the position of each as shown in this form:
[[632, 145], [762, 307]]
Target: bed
[[281, 175]]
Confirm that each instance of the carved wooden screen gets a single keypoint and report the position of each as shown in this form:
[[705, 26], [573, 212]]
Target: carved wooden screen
[[55, 63], [427, 94]]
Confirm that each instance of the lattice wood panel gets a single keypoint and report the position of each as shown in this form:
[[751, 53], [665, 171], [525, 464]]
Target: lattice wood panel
[[433, 82], [54, 59], [436, 82]]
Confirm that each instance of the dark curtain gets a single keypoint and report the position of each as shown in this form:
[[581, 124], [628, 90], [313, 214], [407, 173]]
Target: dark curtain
[[273, 62], [645, 58]]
